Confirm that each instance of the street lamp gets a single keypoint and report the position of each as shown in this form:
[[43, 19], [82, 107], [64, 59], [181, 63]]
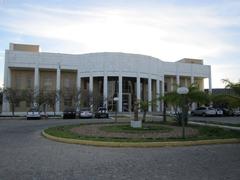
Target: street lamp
[[183, 91]]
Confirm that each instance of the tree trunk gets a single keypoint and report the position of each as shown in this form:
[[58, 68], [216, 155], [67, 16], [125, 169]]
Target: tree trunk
[[144, 116], [54, 112], [13, 109], [135, 111], [164, 113]]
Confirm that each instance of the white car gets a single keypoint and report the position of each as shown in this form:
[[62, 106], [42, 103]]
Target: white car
[[206, 111], [85, 113], [33, 113], [236, 112], [219, 112]]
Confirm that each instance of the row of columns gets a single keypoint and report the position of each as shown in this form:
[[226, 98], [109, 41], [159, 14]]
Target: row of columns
[[105, 86]]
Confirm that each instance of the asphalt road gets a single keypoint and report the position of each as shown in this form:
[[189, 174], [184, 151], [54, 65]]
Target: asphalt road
[[25, 154], [224, 119]]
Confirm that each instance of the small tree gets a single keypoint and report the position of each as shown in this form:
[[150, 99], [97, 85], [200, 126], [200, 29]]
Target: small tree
[[194, 95], [41, 100], [228, 100], [13, 96], [234, 86], [136, 108], [76, 98], [29, 95], [52, 97], [144, 107]]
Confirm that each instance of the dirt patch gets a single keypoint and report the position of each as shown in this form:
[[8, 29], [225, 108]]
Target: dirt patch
[[95, 130]]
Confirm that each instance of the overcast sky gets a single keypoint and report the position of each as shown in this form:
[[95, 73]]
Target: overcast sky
[[169, 30]]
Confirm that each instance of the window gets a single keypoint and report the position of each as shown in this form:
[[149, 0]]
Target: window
[[47, 83], [67, 83], [29, 82]]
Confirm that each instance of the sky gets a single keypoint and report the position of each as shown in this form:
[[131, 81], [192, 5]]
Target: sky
[[169, 30]]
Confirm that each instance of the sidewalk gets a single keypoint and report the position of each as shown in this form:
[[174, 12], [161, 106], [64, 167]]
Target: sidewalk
[[214, 125]]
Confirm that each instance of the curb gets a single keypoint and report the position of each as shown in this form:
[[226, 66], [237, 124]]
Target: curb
[[140, 144]]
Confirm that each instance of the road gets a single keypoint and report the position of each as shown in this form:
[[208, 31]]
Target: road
[[225, 119], [26, 155]]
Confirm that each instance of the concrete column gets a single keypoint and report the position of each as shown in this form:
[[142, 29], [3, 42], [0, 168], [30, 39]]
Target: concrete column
[[192, 79], [210, 84], [105, 91], [78, 88], [36, 82], [58, 87], [171, 83], [78, 80], [178, 80], [158, 94], [162, 93], [149, 93], [120, 93], [91, 84], [36, 79], [138, 88], [171, 88], [7, 84]]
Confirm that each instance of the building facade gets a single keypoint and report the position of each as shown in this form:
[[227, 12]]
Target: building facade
[[98, 76]]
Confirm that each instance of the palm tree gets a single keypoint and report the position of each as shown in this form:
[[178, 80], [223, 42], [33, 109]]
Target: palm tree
[[234, 86], [194, 96], [228, 100]]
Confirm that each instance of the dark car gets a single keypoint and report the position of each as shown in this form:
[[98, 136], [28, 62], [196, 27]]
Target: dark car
[[69, 113], [101, 113], [227, 112]]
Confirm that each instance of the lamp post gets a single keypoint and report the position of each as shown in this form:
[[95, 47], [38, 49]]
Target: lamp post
[[183, 91]]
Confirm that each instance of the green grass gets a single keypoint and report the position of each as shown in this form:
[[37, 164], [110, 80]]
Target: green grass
[[128, 129], [205, 133]]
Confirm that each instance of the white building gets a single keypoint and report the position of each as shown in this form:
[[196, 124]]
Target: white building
[[108, 74]]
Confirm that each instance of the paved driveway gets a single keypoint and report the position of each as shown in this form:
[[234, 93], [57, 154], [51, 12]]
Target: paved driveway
[[25, 154], [230, 119]]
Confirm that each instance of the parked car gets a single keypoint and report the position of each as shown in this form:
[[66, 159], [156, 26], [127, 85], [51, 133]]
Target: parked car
[[102, 113], [227, 112], [236, 112], [219, 112], [69, 113], [207, 111], [33, 113], [85, 113]]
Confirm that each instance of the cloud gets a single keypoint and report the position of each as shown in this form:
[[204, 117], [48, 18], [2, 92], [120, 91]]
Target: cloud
[[169, 32], [159, 32]]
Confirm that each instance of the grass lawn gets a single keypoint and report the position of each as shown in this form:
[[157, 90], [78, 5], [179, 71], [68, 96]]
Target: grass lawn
[[205, 133], [128, 129]]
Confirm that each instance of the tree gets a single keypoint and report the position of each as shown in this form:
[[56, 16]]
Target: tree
[[13, 96], [136, 108], [41, 100], [234, 86], [144, 107], [29, 95], [49, 97], [194, 96], [52, 97], [228, 100]]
